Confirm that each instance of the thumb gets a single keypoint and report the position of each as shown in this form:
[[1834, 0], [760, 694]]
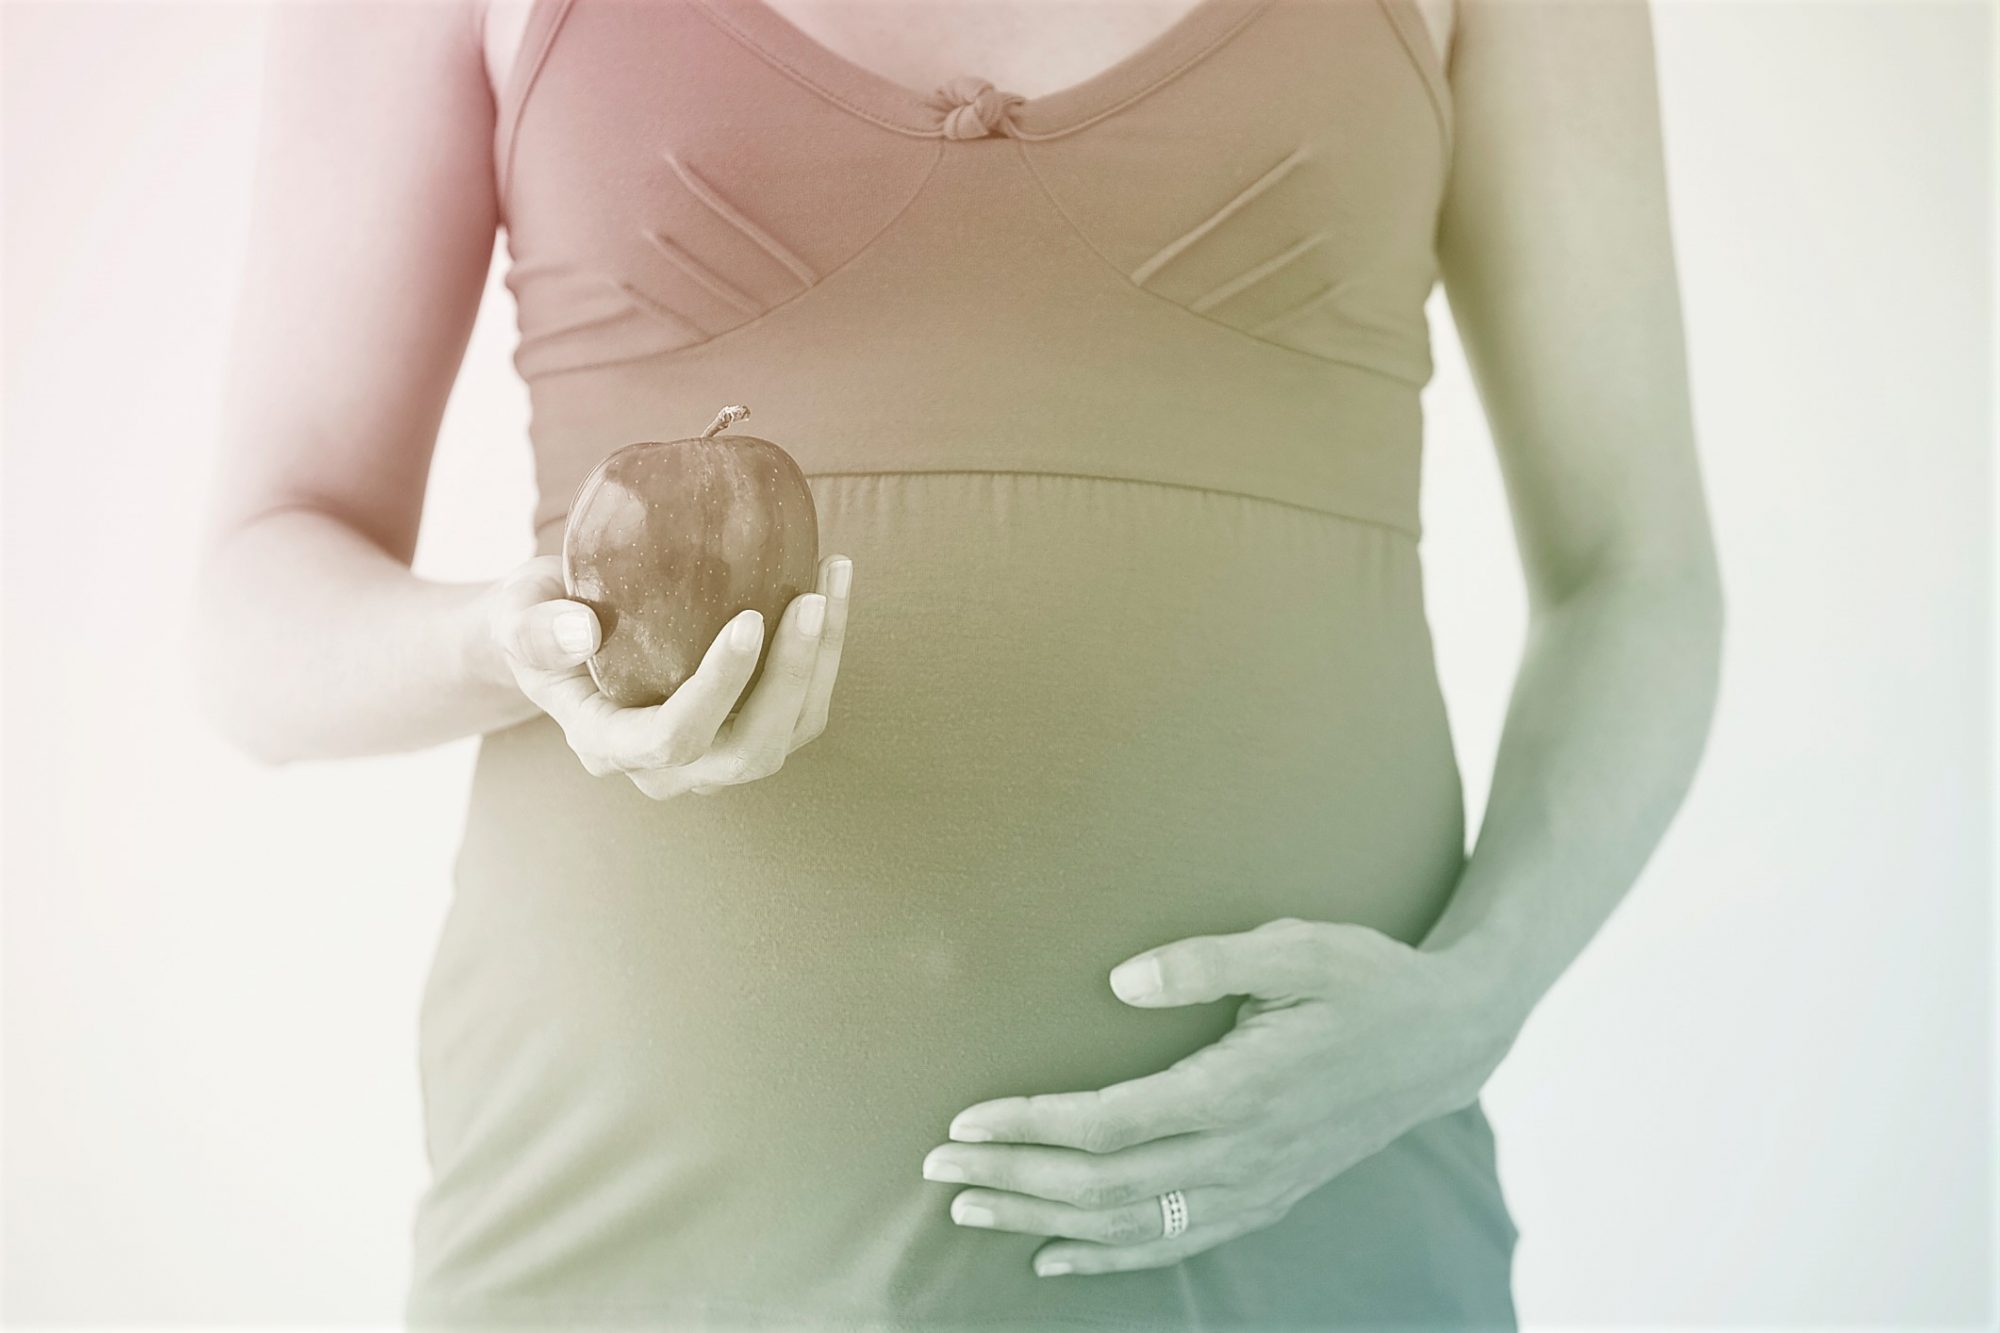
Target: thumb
[[1280, 960], [551, 636]]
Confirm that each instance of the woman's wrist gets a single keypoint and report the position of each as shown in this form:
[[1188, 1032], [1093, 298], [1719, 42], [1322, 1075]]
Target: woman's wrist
[[1486, 976], [481, 664]]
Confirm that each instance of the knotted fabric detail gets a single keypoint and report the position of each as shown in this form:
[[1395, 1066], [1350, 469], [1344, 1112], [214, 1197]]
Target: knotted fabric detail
[[973, 108]]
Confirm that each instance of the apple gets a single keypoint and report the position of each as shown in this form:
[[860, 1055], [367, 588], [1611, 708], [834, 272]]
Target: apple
[[668, 541]]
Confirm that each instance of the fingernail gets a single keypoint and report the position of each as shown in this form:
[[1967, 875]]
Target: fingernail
[[1137, 981], [745, 632], [572, 629], [940, 1169], [843, 571], [1054, 1269], [813, 614], [971, 1133], [972, 1215]]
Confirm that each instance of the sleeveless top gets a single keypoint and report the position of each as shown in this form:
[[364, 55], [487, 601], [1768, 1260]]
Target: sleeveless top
[[1113, 396]]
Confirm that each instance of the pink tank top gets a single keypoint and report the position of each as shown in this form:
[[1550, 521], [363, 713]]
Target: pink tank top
[[1251, 198]]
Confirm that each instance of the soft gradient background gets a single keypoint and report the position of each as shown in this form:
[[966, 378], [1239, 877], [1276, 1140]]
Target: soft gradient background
[[1762, 1097]]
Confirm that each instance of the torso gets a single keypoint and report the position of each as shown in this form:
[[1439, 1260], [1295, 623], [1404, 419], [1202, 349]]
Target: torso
[[1006, 41], [1116, 405]]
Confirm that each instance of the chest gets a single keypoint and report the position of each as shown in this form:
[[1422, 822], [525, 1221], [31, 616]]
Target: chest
[[1031, 47]]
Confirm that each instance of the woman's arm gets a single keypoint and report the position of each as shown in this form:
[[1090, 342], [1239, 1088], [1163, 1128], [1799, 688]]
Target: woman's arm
[[1559, 268], [1557, 261], [373, 222]]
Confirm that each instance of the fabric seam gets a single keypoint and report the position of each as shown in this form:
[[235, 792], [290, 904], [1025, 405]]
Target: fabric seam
[[1126, 278], [517, 97], [805, 80], [1193, 58], [1254, 10], [1341, 515], [1414, 35], [874, 239]]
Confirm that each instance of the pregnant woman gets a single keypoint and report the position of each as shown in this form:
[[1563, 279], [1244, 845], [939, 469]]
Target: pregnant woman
[[1075, 929]]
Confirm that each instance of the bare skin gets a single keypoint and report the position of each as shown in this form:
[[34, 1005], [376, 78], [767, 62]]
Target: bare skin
[[314, 638], [1557, 261], [1031, 47]]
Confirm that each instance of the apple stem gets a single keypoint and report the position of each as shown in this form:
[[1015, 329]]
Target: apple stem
[[726, 418]]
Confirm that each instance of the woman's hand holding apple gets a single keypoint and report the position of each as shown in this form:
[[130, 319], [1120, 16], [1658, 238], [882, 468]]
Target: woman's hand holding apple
[[690, 743]]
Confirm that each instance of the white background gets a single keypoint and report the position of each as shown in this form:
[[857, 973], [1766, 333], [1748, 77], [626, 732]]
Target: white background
[[1762, 1096]]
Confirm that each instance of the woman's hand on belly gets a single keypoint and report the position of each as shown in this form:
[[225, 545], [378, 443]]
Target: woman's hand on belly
[[690, 743], [1348, 1039]]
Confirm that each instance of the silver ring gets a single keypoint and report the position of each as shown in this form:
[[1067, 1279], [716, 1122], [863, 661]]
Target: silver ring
[[1174, 1213]]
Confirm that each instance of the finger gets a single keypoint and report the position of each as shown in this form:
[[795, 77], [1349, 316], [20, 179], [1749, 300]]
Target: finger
[[555, 681], [553, 635], [1281, 959], [1179, 1100], [525, 638], [1125, 1224], [565, 695], [683, 729], [534, 580], [661, 784], [1082, 1179], [568, 697], [755, 743], [836, 582], [1076, 1256]]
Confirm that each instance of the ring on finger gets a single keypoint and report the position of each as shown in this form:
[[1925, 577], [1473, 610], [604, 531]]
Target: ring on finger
[[1136, 1223]]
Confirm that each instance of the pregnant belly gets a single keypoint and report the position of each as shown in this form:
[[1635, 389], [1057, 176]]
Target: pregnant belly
[[692, 1053]]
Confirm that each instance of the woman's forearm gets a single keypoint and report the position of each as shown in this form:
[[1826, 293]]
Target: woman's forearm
[[1608, 719], [311, 642]]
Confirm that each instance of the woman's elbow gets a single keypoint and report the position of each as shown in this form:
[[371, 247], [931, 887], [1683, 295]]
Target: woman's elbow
[[229, 723], [1689, 610], [1673, 603], [218, 668]]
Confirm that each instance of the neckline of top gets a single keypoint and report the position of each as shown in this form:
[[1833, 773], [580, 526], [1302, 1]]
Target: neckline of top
[[897, 106]]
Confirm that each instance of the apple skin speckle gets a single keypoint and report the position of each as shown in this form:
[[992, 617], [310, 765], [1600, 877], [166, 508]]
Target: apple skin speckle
[[669, 540]]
